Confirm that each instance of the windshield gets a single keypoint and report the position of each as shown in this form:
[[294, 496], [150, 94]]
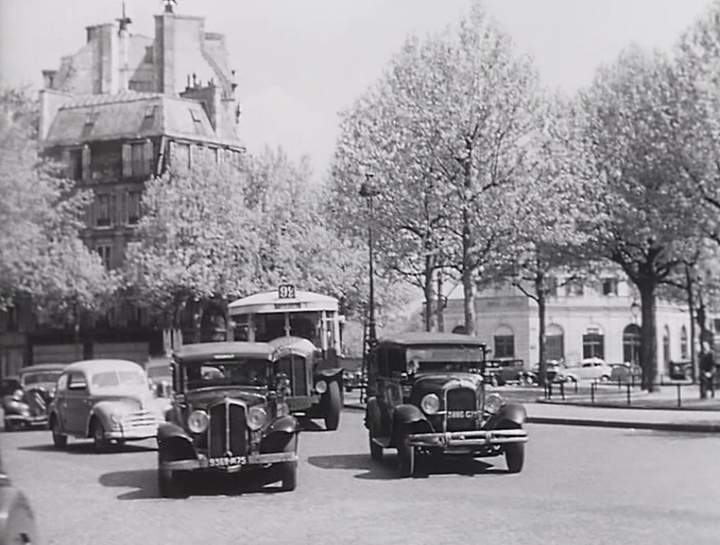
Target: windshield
[[446, 359], [45, 376], [237, 372], [113, 379]]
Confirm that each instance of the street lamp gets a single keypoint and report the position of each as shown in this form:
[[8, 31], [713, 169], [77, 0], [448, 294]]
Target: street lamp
[[635, 311], [368, 191]]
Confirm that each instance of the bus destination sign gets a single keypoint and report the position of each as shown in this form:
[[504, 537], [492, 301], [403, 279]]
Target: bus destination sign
[[286, 291]]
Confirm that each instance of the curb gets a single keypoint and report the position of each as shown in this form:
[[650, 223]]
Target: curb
[[624, 406], [695, 427]]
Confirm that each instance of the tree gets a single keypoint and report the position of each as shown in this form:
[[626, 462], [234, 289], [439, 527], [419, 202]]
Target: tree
[[627, 161], [41, 215]]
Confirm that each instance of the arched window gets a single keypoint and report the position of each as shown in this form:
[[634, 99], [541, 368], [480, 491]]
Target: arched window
[[554, 343], [593, 343], [683, 343], [631, 343], [666, 345], [504, 342]]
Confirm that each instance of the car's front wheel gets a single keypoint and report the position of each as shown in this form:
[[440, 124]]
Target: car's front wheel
[[333, 406], [376, 451], [406, 457], [100, 442], [515, 457], [288, 476], [59, 439]]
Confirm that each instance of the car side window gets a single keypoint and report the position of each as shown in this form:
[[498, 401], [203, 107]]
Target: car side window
[[77, 381], [62, 383]]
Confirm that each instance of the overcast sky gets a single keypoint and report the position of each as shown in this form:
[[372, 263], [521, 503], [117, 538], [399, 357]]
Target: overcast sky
[[300, 62]]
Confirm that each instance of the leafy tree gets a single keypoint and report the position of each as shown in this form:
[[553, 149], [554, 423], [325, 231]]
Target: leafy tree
[[641, 216], [41, 215]]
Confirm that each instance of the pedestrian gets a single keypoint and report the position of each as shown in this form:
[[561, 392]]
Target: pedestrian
[[707, 370]]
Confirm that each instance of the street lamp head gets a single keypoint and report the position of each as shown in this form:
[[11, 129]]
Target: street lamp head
[[368, 190], [635, 310]]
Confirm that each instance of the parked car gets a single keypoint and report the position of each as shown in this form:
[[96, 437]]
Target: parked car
[[352, 379], [589, 369], [500, 372], [27, 405], [109, 401], [229, 415], [626, 373], [17, 521], [426, 396], [555, 371]]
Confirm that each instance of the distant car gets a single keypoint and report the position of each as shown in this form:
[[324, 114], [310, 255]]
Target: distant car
[[555, 372], [589, 369], [27, 405], [229, 416], [626, 373], [106, 400], [500, 372], [352, 379], [17, 522]]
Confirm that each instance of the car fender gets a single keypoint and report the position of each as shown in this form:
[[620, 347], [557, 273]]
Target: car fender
[[334, 373], [510, 414], [373, 416], [16, 407], [174, 443], [279, 434], [101, 411]]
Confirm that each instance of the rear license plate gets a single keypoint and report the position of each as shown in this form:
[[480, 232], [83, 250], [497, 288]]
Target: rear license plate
[[226, 461]]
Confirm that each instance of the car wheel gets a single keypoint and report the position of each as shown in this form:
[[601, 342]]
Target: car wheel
[[376, 451], [9, 425], [97, 431], [515, 457], [59, 440], [333, 406], [604, 378], [170, 484], [288, 476], [406, 457]]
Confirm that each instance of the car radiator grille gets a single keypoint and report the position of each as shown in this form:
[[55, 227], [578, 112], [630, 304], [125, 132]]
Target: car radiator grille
[[461, 399], [294, 368], [221, 428], [139, 419]]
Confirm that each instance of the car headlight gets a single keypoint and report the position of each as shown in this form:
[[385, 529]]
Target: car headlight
[[493, 402], [430, 404], [321, 386], [198, 421], [115, 418], [256, 418]]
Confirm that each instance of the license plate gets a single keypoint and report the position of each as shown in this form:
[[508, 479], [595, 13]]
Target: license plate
[[462, 414], [226, 461]]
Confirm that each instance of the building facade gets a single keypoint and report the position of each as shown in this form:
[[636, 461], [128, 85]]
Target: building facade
[[122, 109], [599, 318]]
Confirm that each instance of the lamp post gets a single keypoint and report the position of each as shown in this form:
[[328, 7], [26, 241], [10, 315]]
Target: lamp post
[[368, 191]]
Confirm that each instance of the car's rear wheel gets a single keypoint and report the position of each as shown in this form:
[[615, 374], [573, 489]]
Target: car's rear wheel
[[376, 451], [170, 483], [333, 406], [100, 442], [59, 439], [406, 457], [515, 457], [288, 470]]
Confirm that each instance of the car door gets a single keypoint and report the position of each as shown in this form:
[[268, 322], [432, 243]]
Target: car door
[[60, 400], [77, 404]]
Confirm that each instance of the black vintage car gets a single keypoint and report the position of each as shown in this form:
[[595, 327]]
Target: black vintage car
[[426, 396], [228, 415], [27, 405]]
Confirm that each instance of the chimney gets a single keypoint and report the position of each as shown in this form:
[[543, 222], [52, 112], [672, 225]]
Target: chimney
[[49, 78], [123, 47]]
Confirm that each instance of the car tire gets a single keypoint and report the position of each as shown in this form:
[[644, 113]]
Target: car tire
[[333, 406], [170, 484], [288, 476], [515, 457], [406, 457], [376, 451], [59, 439], [605, 378], [97, 431]]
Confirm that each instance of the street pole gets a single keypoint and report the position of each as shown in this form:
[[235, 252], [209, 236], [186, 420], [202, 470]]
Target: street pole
[[368, 191]]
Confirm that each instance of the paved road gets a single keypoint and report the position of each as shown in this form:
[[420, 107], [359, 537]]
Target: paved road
[[580, 485]]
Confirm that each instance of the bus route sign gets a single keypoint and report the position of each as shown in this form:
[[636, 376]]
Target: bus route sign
[[286, 291]]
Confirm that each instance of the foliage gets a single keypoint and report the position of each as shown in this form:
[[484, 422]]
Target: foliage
[[41, 216]]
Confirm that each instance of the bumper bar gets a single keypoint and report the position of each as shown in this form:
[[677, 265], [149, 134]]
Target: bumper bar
[[230, 463], [478, 438]]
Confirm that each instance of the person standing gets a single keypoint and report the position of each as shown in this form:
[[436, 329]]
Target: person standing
[[707, 370]]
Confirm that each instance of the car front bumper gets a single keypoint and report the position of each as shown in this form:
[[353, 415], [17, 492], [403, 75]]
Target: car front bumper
[[40, 420], [229, 463], [130, 433], [467, 439]]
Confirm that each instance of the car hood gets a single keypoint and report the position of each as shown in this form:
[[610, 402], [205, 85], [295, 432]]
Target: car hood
[[435, 382], [127, 401], [202, 398]]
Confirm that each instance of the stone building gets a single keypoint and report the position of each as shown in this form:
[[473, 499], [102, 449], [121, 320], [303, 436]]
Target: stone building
[[122, 109]]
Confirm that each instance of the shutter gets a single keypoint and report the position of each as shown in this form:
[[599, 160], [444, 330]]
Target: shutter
[[149, 158], [86, 163], [126, 161], [67, 170]]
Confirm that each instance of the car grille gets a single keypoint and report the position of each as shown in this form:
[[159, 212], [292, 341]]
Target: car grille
[[221, 428], [461, 399], [139, 419], [294, 368]]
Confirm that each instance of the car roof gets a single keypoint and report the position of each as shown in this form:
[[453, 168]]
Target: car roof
[[42, 367], [240, 349], [422, 338], [92, 366]]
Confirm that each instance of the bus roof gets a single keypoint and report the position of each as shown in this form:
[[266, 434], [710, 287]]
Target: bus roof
[[270, 303]]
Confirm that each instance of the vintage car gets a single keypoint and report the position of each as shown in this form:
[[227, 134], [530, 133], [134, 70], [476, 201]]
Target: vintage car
[[109, 401], [501, 371], [27, 405], [426, 396], [352, 379], [17, 521], [229, 415], [594, 369], [304, 329]]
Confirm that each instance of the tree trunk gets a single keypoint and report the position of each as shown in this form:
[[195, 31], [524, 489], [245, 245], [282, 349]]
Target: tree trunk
[[428, 281], [540, 293], [440, 308], [648, 343], [467, 264]]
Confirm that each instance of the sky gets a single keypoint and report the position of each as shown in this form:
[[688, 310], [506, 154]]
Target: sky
[[301, 62]]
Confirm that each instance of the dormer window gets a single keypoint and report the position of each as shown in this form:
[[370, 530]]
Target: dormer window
[[90, 120], [197, 121]]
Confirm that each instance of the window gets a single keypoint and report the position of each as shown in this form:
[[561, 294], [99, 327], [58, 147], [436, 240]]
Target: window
[[197, 121], [593, 345], [554, 343], [683, 343], [148, 121], [90, 120], [133, 207], [137, 159], [631, 344], [552, 286], [76, 164], [574, 287], [666, 345], [62, 383], [102, 217], [610, 286], [104, 251], [77, 382], [504, 342]]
